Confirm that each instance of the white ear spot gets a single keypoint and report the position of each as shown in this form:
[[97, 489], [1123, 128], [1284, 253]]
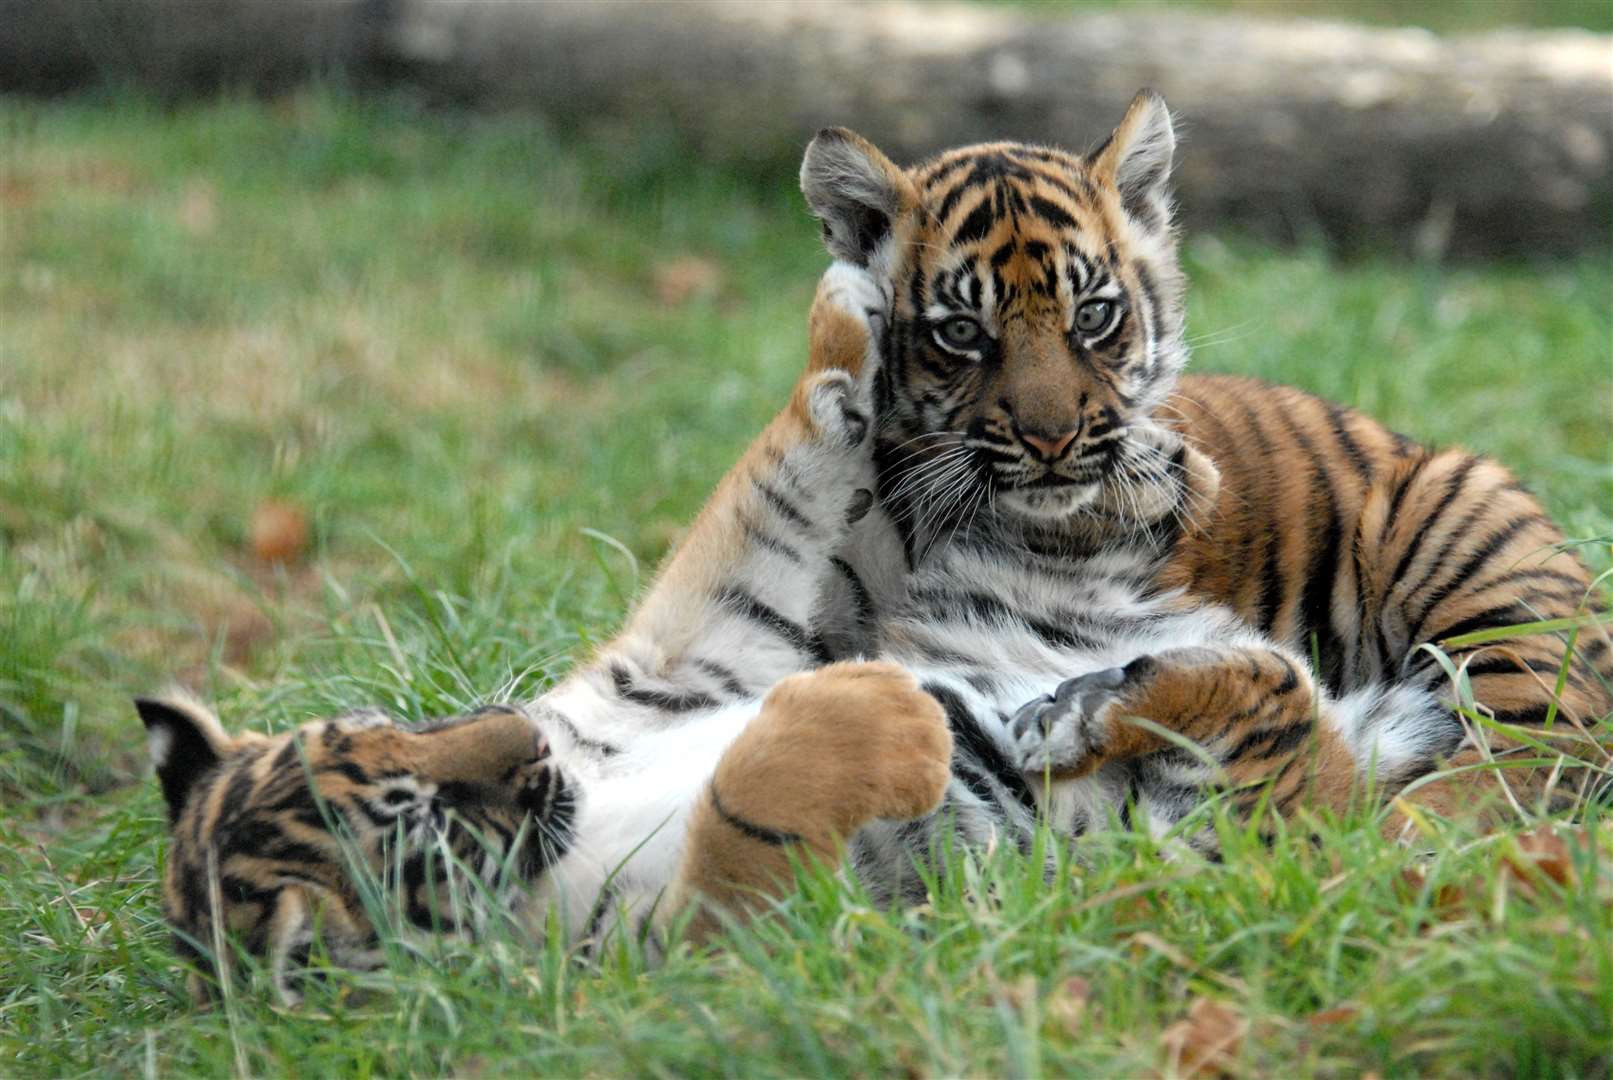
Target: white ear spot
[[159, 741]]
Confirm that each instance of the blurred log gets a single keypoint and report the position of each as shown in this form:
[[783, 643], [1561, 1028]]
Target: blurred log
[[1487, 145]]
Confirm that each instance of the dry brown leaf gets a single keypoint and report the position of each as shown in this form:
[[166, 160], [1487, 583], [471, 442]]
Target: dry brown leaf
[[1067, 1004], [1207, 1042], [1447, 901], [1541, 853], [686, 278], [278, 532], [1338, 1014], [198, 209]]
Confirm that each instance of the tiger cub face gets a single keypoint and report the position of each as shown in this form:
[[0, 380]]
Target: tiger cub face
[[277, 838], [1038, 309]]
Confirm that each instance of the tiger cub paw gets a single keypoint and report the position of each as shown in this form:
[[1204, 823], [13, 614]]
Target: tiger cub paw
[[836, 748], [857, 294], [1064, 732], [837, 415], [847, 327]]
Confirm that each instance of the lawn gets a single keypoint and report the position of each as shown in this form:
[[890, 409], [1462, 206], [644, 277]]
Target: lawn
[[468, 379]]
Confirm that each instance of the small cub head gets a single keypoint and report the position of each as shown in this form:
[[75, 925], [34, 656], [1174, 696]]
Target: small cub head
[[277, 838]]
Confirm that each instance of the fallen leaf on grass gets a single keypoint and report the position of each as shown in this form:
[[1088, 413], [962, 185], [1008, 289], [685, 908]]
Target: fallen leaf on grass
[[1067, 1003], [1338, 1014], [1542, 853], [278, 532], [686, 278], [1207, 1042], [1447, 901]]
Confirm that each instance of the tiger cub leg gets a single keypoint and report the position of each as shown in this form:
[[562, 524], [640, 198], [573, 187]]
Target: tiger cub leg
[[831, 750], [1253, 712], [747, 579]]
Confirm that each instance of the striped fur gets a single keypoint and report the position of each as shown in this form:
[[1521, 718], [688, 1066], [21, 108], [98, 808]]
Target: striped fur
[[272, 836], [1328, 528], [992, 479]]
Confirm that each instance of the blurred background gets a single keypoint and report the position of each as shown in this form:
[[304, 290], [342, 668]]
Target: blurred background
[[373, 350]]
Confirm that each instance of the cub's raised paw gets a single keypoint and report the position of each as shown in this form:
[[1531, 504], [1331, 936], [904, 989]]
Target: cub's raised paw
[[855, 292], [832, 402], [1064, 732], [846, 333]]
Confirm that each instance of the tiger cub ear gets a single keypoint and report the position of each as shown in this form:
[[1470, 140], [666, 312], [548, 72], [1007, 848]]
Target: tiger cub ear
[[185, 741], [856, 191], [1136, 159]]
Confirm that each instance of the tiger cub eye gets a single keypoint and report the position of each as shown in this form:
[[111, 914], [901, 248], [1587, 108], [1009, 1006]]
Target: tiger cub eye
[[960, 332], [1094, 315]]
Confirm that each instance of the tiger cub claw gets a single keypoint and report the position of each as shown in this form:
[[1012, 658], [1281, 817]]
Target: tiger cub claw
[[1062, 731]]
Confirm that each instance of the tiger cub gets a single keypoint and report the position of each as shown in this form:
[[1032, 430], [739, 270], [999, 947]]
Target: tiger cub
[[1036, 344], [696, 756]]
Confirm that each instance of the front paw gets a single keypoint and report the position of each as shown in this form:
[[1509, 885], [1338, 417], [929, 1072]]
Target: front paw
[[849, 318], [837, 415], [1064, 732], [855, 292]]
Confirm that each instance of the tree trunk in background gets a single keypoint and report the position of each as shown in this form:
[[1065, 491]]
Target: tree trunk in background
[[1489, 145]]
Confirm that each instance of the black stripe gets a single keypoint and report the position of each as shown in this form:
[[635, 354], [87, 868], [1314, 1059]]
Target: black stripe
[[1273, 588], [1316, 603], [1051, 212], [670, 700], [971, 746], [1256, 737], [1337, 417], [973, 181], [988, 608], [862, 604], [783, 506], [1503, 615], [1532, 716], [1465, 572], [762, 538], [759, 833], [348, 769], [603, 749], [730, 681], [743, 603], [1495, 664], [1453, 488], [1149, 310], [975, 225]]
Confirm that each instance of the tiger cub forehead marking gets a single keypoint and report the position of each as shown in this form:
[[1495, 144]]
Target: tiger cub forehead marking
[[1011, 225]]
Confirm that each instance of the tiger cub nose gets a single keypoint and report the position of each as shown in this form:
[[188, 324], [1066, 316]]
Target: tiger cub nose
[[1050, 448]]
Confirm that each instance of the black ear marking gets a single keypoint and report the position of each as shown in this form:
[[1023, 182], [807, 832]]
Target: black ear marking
[[185, 744], [855, 190]]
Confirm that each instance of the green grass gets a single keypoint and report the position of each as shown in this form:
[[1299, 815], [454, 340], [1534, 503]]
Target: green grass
[[1445, 17], [444, 337]]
